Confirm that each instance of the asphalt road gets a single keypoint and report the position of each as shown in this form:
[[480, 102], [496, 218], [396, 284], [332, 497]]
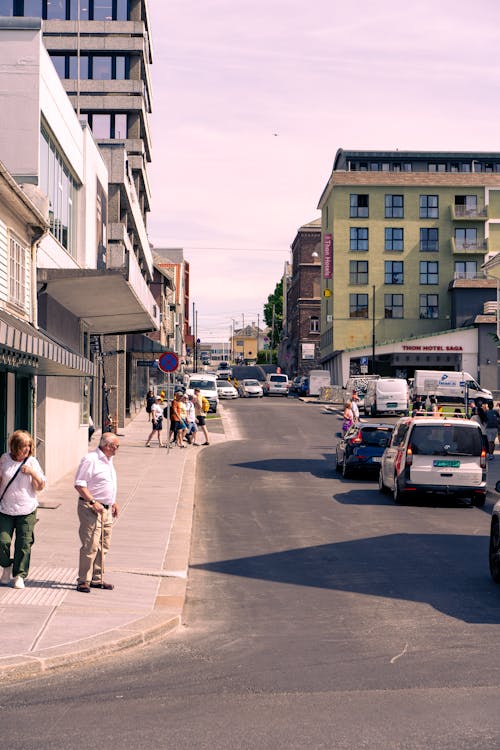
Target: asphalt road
[[320, 615]]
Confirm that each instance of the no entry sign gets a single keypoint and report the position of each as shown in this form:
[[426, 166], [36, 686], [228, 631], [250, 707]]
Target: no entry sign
[[168, 362]]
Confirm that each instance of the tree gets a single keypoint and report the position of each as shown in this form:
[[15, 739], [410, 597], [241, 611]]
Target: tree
[[273, 311]]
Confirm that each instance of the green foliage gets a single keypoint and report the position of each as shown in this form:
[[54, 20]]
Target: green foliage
[[275, 300]]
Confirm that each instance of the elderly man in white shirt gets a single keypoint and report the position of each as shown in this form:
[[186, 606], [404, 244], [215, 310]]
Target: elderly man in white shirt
[[95, 482]]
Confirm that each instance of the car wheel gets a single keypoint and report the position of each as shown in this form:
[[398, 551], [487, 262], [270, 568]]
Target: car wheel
[[478, 501], [381, 486], [494, 553], [373, 411], [396, 492]]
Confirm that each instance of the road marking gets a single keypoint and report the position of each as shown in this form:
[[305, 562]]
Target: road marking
[[398, 656]]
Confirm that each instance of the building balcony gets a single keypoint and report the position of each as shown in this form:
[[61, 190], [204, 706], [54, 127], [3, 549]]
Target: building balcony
[[467, 213], [460, 247]]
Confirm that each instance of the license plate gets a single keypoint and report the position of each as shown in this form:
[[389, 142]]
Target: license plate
[[448, 464], [392, 405], [377, 460]]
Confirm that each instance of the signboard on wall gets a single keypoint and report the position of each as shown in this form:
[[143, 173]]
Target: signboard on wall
[[328, 256], [308, 351]]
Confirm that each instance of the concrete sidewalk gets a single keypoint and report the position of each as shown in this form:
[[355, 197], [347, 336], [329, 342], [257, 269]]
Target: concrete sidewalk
[[49, 624]]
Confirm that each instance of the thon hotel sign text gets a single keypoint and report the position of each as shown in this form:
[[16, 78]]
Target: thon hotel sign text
[[419, 348]]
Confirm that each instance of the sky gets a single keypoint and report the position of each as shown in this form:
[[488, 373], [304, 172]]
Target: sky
[[252, 99]]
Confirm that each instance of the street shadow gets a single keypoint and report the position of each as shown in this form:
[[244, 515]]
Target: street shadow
[[448, 572], [322, 468]]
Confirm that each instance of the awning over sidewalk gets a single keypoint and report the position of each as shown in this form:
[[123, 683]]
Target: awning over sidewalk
[[107, 301], [27, 349]]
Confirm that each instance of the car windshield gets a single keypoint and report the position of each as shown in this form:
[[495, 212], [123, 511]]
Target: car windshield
[[223, 384], [378, 436], [251, 382], [203, 385], [446, 440], [278, 378]]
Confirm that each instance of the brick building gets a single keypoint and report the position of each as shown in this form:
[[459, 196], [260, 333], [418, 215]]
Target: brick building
[[299, 351]]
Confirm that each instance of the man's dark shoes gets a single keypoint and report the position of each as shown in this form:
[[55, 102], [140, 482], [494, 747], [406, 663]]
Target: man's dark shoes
[[103, 585], [83, 587]]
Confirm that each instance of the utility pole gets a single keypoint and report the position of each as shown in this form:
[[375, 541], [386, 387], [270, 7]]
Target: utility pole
[[193, 353], [373, 329], [196, 339], [258, 333], [272, 336]]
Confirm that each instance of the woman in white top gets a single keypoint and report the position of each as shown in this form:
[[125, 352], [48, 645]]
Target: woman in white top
[[21, 477]]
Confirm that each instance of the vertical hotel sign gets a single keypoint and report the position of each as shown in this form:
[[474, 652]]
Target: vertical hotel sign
[[328, 256]]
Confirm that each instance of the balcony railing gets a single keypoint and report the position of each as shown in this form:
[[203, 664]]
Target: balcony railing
[[470, 275], [469, 213], [471, 247]]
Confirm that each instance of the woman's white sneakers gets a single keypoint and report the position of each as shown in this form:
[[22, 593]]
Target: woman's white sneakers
[[18, 582], [6, 576]]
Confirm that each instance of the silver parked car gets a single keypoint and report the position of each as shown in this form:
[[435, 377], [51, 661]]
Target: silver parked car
[[250, 388]]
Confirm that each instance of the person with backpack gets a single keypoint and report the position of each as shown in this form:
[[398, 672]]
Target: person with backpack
[[201, 411], [157, 422]]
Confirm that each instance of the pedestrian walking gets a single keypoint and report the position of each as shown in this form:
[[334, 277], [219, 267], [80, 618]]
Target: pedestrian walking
[[95, 482], [491, 427], [348, 417], [355, 406], [156, 422], [192, 429], [177, 424], [21, 477], [200, 414], [150, 399]]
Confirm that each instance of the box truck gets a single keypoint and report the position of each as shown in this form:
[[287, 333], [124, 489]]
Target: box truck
[[449, 387], [317, 379]]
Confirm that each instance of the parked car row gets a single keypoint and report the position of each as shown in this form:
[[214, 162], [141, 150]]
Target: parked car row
[[419, 456]]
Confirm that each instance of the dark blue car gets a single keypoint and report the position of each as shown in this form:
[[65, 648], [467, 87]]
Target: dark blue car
[[361, 448]]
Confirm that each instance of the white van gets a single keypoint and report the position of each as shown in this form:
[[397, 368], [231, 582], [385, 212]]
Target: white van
[[435, 456], [386, 396], [276, 384], [449, 387], [207, 384]]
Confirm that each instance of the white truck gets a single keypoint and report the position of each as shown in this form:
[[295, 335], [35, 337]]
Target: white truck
[[317, 379], [449, 387]]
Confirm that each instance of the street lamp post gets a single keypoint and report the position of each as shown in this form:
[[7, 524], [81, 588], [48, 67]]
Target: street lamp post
[[373, 329]]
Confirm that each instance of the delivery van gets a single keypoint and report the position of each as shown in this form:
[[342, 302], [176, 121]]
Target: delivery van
[[386, 396], [449, 387], [318, 379], [207, 384]]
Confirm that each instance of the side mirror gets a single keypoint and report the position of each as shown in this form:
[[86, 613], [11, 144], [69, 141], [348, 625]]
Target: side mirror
[[497, 486]]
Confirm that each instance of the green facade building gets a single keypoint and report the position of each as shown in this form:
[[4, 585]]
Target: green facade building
[[397, 229]]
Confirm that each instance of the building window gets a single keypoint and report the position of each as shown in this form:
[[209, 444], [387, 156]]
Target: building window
[[394, 206], [394, 239], [465, 269], [429, 272], [314, 324], [56, 10], [92, 67], [67, 10], [106, 126], [358, 238], [429, 305], [358, 306], [393, 305], [429, 207], [358, 206], [6, 7], [393, 272], [466, 205], [358, 272], [429, 240], [59, 185], [466, 238], [17, 273]]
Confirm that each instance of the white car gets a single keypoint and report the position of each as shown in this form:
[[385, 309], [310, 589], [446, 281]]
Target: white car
[[249, 388], [494, 554], [225, 389], [435, 456]]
